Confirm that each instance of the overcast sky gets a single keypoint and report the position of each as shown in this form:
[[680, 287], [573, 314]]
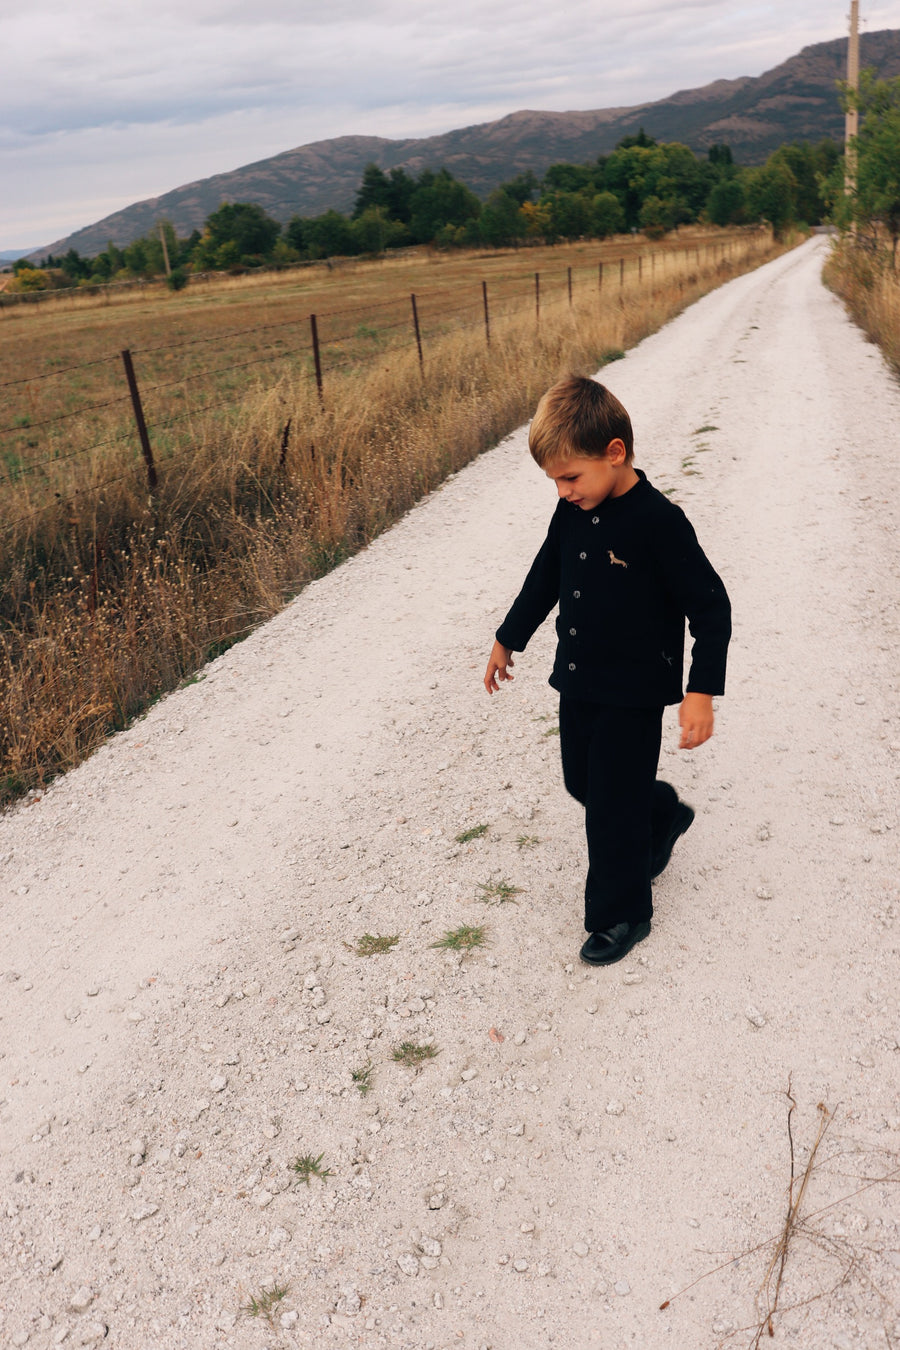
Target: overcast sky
[[105, 102]]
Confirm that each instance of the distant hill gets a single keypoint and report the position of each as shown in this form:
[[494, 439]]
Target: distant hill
[[797, 101]]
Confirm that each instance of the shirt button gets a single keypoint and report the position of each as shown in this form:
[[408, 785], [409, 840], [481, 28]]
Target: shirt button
[[582, 556], [571, 665], [595, 520], [577, 594], [571, 632]]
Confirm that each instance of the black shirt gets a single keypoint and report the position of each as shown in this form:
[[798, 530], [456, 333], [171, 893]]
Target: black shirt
[[625, 575]]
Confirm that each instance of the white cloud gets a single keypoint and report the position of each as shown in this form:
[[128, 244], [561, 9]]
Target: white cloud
[[106, 104]]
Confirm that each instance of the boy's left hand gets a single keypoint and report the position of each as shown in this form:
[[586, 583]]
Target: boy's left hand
[[696, 718]]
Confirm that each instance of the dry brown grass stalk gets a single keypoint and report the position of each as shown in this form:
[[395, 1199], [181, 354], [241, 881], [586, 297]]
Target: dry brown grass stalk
[[870, 288], [111, 598], [798, 1226], [769, 1291]]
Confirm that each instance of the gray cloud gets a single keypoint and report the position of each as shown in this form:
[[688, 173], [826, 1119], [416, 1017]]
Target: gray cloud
[[102, 105]]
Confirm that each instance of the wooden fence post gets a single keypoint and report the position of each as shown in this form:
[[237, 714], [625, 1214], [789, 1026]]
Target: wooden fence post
[[314, 328], [415, 314], [139, 419], [285, 440]]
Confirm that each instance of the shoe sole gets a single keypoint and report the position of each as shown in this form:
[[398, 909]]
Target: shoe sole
[[640, 931]]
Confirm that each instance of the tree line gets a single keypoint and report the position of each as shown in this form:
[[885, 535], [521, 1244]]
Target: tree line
[[643, 185]]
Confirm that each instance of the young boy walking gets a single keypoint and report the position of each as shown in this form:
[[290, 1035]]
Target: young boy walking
[[625, 567]]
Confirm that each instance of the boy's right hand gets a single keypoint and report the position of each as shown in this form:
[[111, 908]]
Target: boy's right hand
[[498, 667]]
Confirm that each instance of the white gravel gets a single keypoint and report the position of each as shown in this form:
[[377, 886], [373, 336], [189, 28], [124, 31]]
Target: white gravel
[[181, 1014]]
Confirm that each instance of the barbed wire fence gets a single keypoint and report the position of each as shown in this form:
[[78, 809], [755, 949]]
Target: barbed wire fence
[[138, 392]]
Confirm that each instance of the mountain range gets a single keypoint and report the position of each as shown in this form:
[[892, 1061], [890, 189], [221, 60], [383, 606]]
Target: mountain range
[[796, 101]]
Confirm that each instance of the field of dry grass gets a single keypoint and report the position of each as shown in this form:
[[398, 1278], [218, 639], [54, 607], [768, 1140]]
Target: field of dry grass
[[113, 595], [870, 287]]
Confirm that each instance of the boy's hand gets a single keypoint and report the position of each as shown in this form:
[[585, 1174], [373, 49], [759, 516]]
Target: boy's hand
[[696, 718], [498, 667]]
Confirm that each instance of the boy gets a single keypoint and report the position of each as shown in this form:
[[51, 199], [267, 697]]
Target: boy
[[625, 567]]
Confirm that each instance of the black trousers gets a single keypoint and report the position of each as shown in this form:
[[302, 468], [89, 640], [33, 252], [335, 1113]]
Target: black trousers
[[609, 758]]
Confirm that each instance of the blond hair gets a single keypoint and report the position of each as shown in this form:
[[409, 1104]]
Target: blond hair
[[578, 416]]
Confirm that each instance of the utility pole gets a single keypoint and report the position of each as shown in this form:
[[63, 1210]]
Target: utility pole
[[852, 122], [165, 249]]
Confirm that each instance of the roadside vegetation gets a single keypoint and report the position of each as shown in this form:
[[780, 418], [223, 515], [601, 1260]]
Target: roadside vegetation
[[863, 268], [113, 595]]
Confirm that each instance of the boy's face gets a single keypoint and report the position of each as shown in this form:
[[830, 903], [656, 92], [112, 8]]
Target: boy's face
[[586, 482]]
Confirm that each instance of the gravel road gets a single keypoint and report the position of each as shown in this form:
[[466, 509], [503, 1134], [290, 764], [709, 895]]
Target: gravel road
[[182, 1012]]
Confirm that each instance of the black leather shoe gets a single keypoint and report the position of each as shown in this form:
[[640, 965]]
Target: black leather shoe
[[681, 822], [603, 949]]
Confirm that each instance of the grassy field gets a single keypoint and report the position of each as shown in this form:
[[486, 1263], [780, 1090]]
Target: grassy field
[[113, 595], [869, 285], [62, 376]]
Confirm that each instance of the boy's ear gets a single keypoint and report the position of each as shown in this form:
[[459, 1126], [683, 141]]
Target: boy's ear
[[616, 452]]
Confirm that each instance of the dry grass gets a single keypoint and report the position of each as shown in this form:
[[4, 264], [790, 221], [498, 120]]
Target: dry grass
[[835, 1268], [218, 342], [870, 287], [111, 598]]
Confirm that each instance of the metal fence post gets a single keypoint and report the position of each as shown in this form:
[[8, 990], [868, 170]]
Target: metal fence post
[[621, 273], [600, 276], [314, 328], [415, 313], [537, 296], [570, 288], [487, 317], [139, 419]]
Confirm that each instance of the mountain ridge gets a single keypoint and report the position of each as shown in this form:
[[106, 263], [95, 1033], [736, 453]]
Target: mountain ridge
[[795, 100]]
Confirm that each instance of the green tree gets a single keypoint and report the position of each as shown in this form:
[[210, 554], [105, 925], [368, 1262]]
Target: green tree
[[391, 193], [439, 199], [642, 140], [284, 253], [523, 188], [772, 194], [325, 236], [656, 217], [137, 258], [243, 224], [568, 178], [107, 264], [374, 231], [878, 157], [726, 203], [607, 216], [571, 214], [227, 255], [810, 165], [669, 172], [184, 249], [75, 267], [501, 221]]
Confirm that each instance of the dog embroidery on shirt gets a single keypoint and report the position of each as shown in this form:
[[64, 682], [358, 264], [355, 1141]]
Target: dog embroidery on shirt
[[616, 561]]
